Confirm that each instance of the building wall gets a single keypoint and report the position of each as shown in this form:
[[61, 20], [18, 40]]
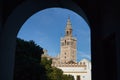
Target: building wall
[[84, 72]]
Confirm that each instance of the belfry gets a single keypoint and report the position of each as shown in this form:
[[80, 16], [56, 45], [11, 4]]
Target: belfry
[[68, 45]]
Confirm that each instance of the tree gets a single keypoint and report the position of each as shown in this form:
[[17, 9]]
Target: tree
[[27, 61], [68, 77], [29, 67], [53, 73]]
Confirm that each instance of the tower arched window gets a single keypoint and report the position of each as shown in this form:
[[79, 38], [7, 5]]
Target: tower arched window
[[65, 41], [70, 32], [80, 63], [65, 53], [83, 63], [67, 32], [65, 57]]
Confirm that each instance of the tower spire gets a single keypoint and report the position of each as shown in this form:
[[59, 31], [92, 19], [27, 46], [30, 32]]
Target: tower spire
[[68, 23], [68, 27]]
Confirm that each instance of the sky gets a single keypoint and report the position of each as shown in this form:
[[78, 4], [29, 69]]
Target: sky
[[46, 27]]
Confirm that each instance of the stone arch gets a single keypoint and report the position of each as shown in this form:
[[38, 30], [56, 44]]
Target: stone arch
[[16, 19], [104, 23]]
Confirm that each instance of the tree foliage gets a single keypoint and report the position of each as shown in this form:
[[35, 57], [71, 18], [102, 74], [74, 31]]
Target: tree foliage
[[27, 60], [29, 67], [53, 73]]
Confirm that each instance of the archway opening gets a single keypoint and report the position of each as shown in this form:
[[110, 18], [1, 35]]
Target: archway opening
[[49, 34]]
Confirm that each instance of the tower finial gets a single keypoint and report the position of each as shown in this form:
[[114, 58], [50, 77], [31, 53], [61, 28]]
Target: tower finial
[[68, 28], [68, 23]]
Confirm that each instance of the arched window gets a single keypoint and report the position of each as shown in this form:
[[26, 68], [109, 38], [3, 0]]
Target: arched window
[[65, 42], [65, 53], [67, 32], [83, 63], [65, 57]]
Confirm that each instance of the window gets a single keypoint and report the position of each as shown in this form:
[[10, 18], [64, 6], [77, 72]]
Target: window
[[65, 42], [83, 63], [67, 32], [78, 77], [83, 76], [65, 53]]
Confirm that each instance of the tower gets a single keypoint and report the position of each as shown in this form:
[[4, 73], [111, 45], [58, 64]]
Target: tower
[[68, 45]]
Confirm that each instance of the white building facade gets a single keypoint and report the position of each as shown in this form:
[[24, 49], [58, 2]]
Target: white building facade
[[79, 71]]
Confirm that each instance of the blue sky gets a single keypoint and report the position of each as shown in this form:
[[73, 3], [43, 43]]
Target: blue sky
[[46, 27]]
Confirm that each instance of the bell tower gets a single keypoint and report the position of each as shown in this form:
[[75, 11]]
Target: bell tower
[[68, 45]]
